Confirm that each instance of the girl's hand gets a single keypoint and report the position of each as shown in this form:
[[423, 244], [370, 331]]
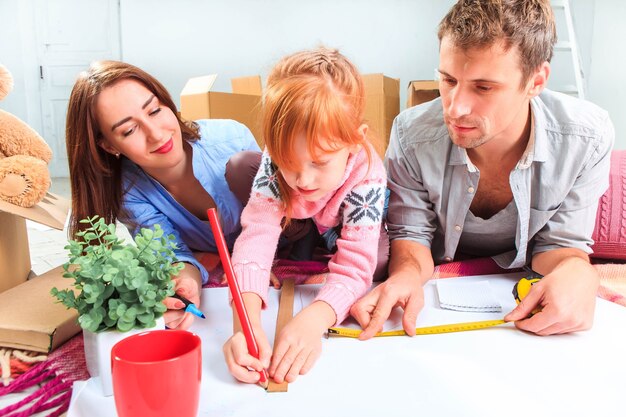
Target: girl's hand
[[241, 364], [300, 342], [187, 284]]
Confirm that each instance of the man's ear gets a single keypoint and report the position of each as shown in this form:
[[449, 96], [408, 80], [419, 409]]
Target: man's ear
[[539, 80]]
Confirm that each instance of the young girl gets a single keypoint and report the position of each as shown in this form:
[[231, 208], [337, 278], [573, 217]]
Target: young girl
[[318, 164]]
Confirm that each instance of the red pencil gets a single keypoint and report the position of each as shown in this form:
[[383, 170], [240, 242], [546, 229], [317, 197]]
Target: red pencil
[[220, 242]]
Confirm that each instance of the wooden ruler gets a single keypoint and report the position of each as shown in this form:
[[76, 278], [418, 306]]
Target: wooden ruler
[[285, 313]]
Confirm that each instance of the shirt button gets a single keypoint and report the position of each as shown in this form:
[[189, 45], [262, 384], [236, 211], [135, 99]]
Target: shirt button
[[457, 228], [470, 190], [447, 259]]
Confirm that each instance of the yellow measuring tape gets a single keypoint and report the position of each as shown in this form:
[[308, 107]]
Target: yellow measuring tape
[[444, 328], [520, 290]]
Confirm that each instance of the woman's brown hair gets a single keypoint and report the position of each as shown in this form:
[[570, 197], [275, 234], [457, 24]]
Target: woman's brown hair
[[96, 175]]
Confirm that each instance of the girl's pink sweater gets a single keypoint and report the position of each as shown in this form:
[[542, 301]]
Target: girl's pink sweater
[[357, 204]]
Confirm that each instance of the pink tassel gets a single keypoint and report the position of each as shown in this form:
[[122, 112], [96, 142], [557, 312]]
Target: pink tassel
[[54, 393], [55, 389]]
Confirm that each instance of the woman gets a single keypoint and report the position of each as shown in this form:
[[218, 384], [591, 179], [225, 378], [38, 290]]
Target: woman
[[133, 159]]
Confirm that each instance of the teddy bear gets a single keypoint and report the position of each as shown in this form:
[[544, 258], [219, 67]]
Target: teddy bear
[[24, 156]]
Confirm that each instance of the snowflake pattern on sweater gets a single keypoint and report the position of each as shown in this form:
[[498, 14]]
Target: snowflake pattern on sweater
[[364, 207], [266, 180]]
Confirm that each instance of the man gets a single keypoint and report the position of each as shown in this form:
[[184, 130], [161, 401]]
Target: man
[[498, 166]]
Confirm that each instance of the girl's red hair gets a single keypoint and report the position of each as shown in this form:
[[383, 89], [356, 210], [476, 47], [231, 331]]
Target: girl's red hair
[[318, 93]]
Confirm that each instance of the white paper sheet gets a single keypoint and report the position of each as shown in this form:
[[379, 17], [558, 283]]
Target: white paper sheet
[[499, 371], [467, 296]]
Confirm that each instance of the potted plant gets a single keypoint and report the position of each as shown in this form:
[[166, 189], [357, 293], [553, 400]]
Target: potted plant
[[119, 287]]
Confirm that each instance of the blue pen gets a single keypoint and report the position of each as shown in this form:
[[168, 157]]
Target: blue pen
[[189, 306]]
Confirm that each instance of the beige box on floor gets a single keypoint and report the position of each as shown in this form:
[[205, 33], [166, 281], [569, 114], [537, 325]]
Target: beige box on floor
[[421, 91], [15, 265], [32, 319], [197, 101], [382, 105]]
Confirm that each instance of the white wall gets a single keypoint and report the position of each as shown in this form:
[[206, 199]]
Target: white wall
[[246, 37], [607, 84], [17, 54], [175, 40]]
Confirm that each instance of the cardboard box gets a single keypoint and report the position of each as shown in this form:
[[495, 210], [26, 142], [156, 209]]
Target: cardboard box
[[421, 91], [14, 252], [32, 319], [197, 101], [382, 105]]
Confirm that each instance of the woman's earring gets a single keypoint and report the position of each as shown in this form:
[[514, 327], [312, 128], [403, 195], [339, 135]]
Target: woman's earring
[[117, 155]]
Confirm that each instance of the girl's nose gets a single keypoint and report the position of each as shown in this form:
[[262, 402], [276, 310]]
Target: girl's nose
[[303, 179]]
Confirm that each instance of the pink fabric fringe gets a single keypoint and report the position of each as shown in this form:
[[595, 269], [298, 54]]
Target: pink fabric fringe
[[57, 374]]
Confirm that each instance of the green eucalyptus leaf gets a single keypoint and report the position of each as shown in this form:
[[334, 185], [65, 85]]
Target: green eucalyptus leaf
[[117, 281], [121, 309], [87, 323], [160, 308], [109, 322], [108, 292], [124, 326]]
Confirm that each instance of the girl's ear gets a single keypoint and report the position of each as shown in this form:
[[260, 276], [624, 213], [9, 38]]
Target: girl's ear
[[363, 133]]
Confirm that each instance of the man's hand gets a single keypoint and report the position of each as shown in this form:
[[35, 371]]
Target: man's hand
[[401, 290], [566, 296], [410, 266]]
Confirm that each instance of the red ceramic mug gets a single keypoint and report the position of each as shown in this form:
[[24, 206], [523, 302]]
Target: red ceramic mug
[[157, 373]]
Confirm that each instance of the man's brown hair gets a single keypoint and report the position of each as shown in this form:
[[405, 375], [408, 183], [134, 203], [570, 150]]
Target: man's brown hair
[[525, 24]]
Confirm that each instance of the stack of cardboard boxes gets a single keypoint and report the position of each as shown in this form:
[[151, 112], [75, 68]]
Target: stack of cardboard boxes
[[198, 101], [30, 318]]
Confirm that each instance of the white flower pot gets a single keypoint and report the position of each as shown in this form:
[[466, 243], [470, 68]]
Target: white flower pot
[[98, 353]]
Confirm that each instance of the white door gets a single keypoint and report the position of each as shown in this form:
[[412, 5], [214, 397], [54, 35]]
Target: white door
[[70, 34]]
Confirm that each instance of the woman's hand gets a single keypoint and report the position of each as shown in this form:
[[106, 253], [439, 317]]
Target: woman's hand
[[188, 284]]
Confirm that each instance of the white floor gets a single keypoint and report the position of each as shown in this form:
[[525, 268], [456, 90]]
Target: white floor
[[46, 244]]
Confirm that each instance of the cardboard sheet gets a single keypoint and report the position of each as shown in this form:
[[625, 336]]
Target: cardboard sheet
[[491, 372], [32, 319]]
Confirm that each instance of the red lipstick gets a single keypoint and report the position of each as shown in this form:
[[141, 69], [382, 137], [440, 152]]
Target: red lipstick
[[165, 148]]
